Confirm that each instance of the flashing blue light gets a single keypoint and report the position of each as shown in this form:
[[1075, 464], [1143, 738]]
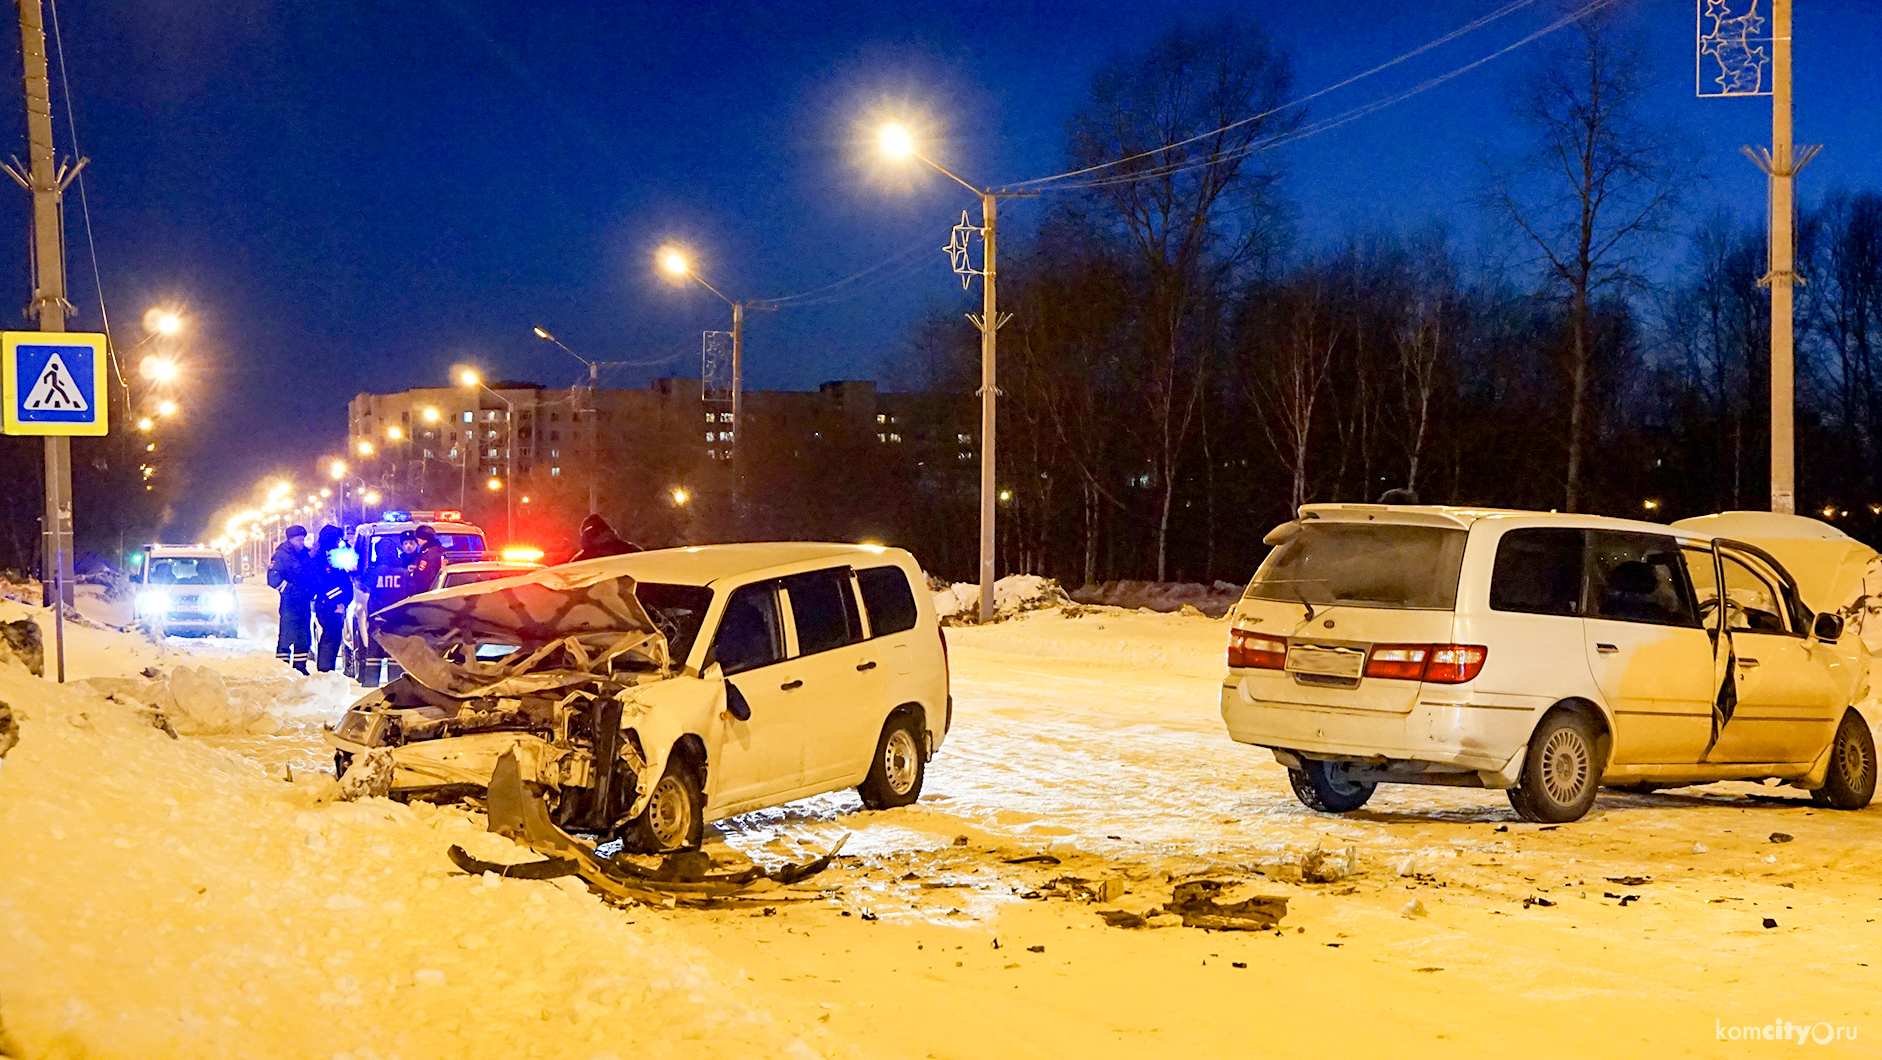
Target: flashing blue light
[[343, 558], [396, 517]]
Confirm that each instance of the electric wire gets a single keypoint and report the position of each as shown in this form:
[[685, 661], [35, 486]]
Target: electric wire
[[1278, 140], [868, 279], [91, 242], [1469, 27]]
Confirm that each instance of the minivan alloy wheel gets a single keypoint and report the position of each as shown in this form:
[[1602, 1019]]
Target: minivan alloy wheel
[[1565, 765]]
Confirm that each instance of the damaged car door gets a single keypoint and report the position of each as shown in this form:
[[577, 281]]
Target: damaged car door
[[761, 754]]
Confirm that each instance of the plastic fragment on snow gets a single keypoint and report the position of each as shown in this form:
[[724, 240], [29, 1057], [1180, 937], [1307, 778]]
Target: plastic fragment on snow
[[1781, 837], [1415, 907]]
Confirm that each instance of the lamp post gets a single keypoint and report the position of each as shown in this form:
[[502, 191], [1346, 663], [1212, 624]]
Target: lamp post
[[594, 426], [898, 142], [469, 379], [675, 263]]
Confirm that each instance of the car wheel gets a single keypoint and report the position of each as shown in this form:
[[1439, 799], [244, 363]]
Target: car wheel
[[1561, 773], [1850, 783], [341, 760], [896, 774], [675, 817], [1324, 786]]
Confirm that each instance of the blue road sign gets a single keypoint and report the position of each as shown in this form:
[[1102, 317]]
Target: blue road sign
[[54, 382]]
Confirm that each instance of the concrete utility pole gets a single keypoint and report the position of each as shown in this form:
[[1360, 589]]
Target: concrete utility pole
[[989, 352], [47, 184], [1780, 165], [738, 397]]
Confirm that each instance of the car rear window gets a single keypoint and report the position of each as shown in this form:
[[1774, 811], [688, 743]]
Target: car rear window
[[1538, 572], [192, 570], [1364, 565], [888, 599]]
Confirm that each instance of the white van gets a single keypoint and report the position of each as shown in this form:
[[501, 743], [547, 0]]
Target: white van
[[652, 692], [183, 589], [1550, 654]]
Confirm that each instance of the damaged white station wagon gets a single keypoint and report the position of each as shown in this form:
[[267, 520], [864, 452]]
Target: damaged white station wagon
[[644, 695]]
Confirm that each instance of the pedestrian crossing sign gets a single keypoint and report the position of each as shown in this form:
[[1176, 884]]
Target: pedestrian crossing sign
[[54, 382]]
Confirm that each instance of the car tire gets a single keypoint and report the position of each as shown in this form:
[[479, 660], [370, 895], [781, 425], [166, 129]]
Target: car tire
[[675, 817], [898, 770], [1562, 771], [1850, 783], [341, 760], [1324, 786]]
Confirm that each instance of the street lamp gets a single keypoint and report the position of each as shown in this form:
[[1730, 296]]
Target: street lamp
[[680, 496], [679, 268], [364, 448], [470, 380], [594, 428], [166, 408], [897, 142]]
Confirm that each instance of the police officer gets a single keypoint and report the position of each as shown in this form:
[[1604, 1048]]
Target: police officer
[[291, 571], [385, 585], [599, 539], [334, 565], [424, 566]]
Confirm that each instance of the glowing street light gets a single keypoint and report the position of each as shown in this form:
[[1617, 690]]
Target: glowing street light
[[673, 260], [161, 321], [338, 470], [145, 423], [680, 496], [494, 484], [468, 377], [898, 143], [395, 432], [158, 369], [166, 408], [365, 448], [370, 496], [430, 414]]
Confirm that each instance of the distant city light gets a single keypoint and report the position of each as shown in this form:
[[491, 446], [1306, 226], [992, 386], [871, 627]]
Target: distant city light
[[494, 484]]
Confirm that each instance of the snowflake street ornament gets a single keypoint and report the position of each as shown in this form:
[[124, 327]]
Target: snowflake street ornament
[[960, 250]]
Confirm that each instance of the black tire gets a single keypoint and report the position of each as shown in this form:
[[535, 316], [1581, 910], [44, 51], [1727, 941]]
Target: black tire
[[1850, 783], [675, 817], [1562, 771], [341, 760], [1324, 786], [896, 773]]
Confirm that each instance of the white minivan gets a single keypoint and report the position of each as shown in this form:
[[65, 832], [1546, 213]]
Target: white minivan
[[1550, 654], [649, 693]]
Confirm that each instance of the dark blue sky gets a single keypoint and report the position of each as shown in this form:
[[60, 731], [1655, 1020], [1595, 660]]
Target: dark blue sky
[[354, 197]]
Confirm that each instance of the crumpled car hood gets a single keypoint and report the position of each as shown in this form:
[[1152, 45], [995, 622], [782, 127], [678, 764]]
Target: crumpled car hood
[[1829, 565], [571, 627]]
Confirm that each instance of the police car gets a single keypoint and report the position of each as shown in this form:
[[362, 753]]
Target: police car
[[462, 543], [184, 589]]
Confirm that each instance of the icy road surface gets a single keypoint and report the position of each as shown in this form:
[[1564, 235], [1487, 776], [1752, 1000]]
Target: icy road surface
[[174, 898]]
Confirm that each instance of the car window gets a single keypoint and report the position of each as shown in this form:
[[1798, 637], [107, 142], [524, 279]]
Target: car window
[[1637, 578], [888, 599], [192, 570], [453, 542], [1538, 572], [1752, 601], [824, 610], [679, 611], [751, 633], [1391, 565]]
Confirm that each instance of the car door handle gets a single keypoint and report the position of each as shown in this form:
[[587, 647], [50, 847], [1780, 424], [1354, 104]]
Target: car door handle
[[1606, 649], [1742, 661], [788, 685], [861, 666]]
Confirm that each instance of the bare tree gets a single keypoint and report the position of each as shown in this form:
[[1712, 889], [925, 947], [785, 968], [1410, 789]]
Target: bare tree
[[1191, 196], [1598, 179], [1290, 375]]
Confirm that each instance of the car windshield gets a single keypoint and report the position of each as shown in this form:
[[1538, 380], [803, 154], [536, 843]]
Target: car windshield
[[191, 570], [460, 542], [678, 610], [1364, 565]]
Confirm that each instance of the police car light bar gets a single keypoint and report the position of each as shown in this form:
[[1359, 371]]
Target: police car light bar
[[395, 517]]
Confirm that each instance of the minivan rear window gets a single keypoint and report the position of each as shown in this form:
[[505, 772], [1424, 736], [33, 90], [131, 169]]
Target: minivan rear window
[[1364, 565], [888, 599]]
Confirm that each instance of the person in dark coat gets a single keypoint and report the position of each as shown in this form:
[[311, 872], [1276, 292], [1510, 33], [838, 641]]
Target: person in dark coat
[[384, 581], [334, 564], [291, 571], [599, 539], [423, 567]]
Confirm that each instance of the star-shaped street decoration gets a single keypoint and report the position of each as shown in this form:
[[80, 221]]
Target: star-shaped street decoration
[[959, 250]]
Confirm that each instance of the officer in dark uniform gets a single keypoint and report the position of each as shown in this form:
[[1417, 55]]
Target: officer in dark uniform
[[334, 565], [291, 571]]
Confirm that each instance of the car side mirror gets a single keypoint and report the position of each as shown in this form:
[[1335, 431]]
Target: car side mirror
[[1828, 627], [735, 704]]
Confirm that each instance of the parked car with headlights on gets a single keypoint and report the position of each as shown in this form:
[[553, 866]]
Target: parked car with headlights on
[[184, 589]]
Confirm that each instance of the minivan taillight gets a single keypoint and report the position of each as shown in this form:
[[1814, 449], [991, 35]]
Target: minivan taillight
[[1256, 651], [1440, 664]]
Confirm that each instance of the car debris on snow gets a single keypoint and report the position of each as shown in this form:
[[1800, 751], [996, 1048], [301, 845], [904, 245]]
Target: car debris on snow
[[1226, 905], [22, 641], [1781, 837]]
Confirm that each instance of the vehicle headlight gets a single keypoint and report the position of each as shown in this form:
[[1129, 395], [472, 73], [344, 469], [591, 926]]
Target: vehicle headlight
[[222, 603], [153, 602]]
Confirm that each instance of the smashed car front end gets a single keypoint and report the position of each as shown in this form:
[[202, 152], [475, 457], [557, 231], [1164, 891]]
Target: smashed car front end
[[541, 668]]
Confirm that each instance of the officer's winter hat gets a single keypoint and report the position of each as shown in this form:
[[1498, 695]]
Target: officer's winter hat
[[297, 530]]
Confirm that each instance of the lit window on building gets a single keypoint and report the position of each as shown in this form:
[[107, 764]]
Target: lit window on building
[[555, 453], [895, 437], [555, 472], [880, 418], [709, 418], [963, 437], [882, 437], [725, 417], [467, 417]]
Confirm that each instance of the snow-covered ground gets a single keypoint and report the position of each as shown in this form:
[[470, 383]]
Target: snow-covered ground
[[184, 897]]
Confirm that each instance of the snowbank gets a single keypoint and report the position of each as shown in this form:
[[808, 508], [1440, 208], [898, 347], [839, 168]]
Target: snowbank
[[1012, 595], [162, 897], [1212, 600]]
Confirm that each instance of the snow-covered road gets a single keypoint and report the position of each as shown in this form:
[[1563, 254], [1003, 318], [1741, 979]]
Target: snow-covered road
[[172, 898]]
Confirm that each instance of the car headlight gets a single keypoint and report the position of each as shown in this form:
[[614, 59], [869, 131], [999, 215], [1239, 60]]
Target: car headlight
[[222, 603], [152, 602]]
